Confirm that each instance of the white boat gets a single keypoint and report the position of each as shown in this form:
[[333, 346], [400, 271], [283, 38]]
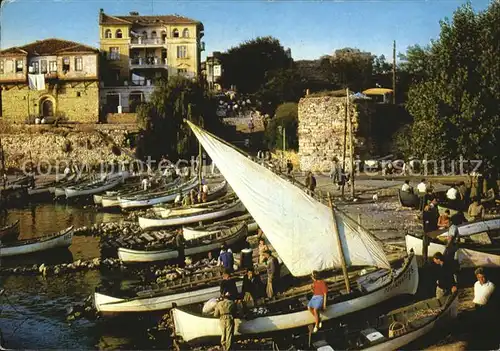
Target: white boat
[[190, 233], [190, 326], [378, 334], [96, 187], [191, 247], [478, 243], [174, 217], [150, 199], [21, 247]]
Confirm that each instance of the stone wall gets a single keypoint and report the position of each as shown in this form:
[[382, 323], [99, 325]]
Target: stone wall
[[52, 145], [78, 102], [322, 126]]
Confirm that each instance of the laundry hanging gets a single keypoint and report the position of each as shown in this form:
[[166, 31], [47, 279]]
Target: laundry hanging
[[36, 81]]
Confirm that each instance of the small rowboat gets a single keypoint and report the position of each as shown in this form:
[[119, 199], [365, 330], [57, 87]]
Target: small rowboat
[[192, 214], [478, 243], [21, 247], [150, 199], [407, 199], [190, 233], [390, 331], [9, 232], [95, 187], [192, 247], [372, 288]]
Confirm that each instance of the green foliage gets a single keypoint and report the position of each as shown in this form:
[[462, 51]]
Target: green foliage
[[455, 102], [247, 65], [280, 86], [163, 131], [287, 116]]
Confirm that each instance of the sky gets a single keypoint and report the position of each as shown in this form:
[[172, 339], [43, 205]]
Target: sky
[[310, 28]]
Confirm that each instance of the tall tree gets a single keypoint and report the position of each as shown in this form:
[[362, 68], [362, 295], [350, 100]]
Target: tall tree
[[455, 100], [349, 68], [247, 64]]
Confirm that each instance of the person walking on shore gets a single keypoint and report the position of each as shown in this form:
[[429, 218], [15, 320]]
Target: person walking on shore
[[311, 183], [225, 311], [318, 301], [446, 282]]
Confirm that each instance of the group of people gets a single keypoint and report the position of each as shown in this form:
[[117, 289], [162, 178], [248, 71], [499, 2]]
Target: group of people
[[193, 197]]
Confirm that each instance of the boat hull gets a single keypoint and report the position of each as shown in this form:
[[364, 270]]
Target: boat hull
[[190, 326], [75, 192], [62, 240], [10, 232], [148, 223], [407, 199]]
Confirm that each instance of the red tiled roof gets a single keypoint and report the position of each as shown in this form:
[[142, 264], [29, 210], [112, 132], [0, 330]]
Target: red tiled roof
[[106, 19], [55, 46], [13, 51], [146, 20]]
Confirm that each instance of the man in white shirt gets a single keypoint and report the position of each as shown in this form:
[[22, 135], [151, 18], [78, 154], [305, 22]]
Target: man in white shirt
[[422, 187], [452, 193], [483, 289], [406, 186]]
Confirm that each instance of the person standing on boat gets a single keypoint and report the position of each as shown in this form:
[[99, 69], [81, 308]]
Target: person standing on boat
[[430, 218], [226, 258], [476, 210], [225, 311], [252, 288], [453, 197], [262, 249], [452, 244], [422, 191], [228, 286], [406, 187], [273, 274], [446, 283], [318, 301], [204, 191]]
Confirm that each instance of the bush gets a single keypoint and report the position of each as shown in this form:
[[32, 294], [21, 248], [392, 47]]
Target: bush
[[287, 116]]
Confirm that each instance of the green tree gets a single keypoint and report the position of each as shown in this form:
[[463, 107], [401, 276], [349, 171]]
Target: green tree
[[287, 116], [163, 131], [247, 64], [455, 100], [349, 68]]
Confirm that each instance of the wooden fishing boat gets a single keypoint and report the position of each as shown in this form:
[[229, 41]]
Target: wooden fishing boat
[[407, 199], [192, 247], [21, 247], [190, 233], [192, 214], [9, 232], [150, 199], [22, 180], [62, 182], [478, 243], [368, 290], [94, 187], [390, 331], [187, 290]]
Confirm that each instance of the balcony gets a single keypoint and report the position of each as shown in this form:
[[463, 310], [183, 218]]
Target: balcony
[[148, 62], [147, 43]]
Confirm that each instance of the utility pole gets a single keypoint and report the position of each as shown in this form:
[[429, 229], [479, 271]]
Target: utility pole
[[394, 72], [344, 152], [351, 144]]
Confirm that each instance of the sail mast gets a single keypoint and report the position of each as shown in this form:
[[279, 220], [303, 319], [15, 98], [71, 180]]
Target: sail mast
[[339, 245], [4, 178]]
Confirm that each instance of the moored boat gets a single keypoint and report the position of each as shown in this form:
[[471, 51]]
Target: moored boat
[[21, 247], [204, 230], [192, 247], [9, 232], [389, 331], [372, 289], [407, 199], [150, 199], [95, 187], [192, 214], [478, 243]]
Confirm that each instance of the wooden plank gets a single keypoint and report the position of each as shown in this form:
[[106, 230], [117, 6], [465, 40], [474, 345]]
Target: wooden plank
[[148, 237]]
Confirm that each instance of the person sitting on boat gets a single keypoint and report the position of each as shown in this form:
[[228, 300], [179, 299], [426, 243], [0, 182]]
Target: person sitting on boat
[[228, 286], [318, 301], [226, 258], [262, 249], [444, 220], [446, 283], [273, 274], [483, 290], [406, 187], [476, 210], [204, 192], [252, 288], [226, 310]]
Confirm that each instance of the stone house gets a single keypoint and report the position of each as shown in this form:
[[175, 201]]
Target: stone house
[[137, 50], [70, 75]]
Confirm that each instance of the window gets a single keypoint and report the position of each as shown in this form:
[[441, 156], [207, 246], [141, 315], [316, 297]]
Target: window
[[53, 66], [78, 94], [19, 66], [182, 51], [185, 33], [114, 53], [1, 66], [78, 64], [153, 35], [36, 67], [119, 34], [43, 64], [108, 34], [9, 66], [144, 35], [175, 33], [65, 64]]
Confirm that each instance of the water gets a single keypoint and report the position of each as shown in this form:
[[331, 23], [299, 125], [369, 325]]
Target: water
[[33, 309]]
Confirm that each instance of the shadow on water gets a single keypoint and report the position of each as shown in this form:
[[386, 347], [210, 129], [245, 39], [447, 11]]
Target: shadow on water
[[49, 257]]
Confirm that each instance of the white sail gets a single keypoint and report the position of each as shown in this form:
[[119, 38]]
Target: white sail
[[299, 228]]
